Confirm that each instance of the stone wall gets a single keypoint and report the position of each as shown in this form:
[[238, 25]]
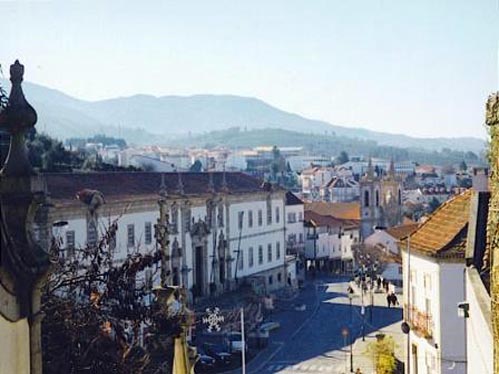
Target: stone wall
[[492, 120]]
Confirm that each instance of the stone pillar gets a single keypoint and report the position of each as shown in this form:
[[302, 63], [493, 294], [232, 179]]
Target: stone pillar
[[24, 239], [492, 120]]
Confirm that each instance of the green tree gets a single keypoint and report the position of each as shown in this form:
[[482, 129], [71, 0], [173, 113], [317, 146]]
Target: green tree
[[433, 204], [382, 353], [342, 158], [463, 166], [196, 167]]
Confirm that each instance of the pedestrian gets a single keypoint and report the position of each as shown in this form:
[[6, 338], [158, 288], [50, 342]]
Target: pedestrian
[[389, 300], [394, 299], [358, 371], [378, 282]]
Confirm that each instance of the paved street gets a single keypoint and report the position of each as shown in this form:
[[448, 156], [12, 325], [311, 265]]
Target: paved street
[[313, 343]]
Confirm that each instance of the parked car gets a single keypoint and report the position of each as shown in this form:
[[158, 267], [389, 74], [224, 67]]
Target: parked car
[[218, 353], [233, 342], [269, 326]]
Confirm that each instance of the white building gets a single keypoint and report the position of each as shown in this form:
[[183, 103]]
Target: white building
[[225, 228], [295, 231], [479, 337], [389, 239], [312, 179], [332, 230], [340, 190], [433, 267]]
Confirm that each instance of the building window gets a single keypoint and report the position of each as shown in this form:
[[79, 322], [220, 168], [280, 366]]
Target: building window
[[241, 259], [400, 197], [240, 217], [92, 233], [70, 242], [269, 253], [427, 282], [278, 250], [279, 277], [291, 217], [277, 214], [174, 219], [148, 233], [301, 238], [250, 218], [260, 218], [300, 216], [366, 198], [271, 279], [130, 229], [250, 257], [221, 215], [377, 198], [187, 219], [260, 255], [269, 211]]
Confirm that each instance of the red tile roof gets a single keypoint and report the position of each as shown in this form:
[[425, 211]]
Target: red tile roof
[[346, 211], [443, 234], [402, 231], [122, 185]]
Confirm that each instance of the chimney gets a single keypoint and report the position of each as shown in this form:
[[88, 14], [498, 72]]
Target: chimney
[[480, 179]]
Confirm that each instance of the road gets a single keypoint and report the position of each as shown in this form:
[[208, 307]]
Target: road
[[316, 345]]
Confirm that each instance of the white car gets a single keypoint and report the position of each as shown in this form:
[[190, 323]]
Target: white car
[[234, 342]]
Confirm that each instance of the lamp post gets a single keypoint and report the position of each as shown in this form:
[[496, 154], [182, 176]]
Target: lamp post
[[345, 333], [350, 297]]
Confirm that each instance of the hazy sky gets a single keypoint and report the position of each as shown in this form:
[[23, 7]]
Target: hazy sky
[[419, 67]]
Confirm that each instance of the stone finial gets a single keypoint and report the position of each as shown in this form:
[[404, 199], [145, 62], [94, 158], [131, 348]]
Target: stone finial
[[17, 118], [19, 115], [162, 187], [180, 186], [391, 169], [370, 169], [225, 186], [492, 110], [211, 183]]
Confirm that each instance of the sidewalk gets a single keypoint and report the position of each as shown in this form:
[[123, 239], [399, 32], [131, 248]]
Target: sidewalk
[[362, 359]]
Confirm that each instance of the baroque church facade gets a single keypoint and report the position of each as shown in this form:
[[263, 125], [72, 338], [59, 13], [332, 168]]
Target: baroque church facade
[[222, 229], [380, 199]]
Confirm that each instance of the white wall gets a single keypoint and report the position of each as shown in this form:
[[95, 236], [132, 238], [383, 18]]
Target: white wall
[[256, 236], [383, 238], [440, 284], [479, 338]]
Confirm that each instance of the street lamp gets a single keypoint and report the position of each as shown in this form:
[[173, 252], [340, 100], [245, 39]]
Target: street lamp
[[350, 297], [345, 334]]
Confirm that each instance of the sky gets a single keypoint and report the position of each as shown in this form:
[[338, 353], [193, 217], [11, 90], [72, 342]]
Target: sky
[[422, 68]]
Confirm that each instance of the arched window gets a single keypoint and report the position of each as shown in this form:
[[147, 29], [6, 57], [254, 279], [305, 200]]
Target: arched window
[[400, 197], [377, 198], [366, 198]]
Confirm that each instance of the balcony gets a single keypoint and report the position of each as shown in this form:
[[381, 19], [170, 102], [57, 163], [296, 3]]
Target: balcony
[[294, 247], [421, 322]]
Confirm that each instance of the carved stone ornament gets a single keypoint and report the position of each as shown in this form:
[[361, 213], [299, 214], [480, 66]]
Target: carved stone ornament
[[492, 110], [24, 205]]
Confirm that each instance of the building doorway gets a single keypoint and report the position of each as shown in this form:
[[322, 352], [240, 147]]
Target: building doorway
[[199, 274]]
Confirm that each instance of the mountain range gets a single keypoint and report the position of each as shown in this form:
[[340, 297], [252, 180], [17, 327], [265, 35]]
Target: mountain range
[[145, 119]]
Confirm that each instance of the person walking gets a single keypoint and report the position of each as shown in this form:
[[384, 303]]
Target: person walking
[[394, 299], [389, 300]]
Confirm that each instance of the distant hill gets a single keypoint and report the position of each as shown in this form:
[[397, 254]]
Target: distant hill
[[143, 119], [326, 145]]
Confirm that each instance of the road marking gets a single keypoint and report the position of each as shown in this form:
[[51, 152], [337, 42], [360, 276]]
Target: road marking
[[300, 368]]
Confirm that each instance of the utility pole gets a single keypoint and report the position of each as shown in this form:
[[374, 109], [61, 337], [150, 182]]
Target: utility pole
[[243, 343]]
